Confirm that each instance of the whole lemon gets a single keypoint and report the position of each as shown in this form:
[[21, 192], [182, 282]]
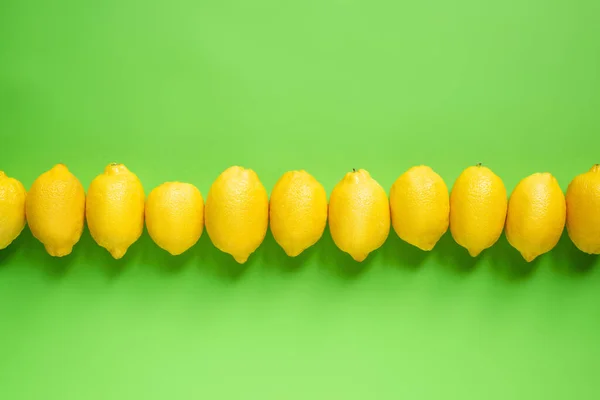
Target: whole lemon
[[175, 216], [359, 214], [12, 209], [583, 211], [298, 211], [55, 209], [115, 209], [536, 215], [420, 207], [478, 206], [237, 212]]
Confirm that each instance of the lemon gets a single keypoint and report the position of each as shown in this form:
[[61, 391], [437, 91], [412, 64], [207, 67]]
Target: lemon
[[536, 215], [298, 211], [359, 215], [115, 209], [236, 213], [420, 207], [12, 209], [55, 209], [175, 216], [583, 211], [478, 206]]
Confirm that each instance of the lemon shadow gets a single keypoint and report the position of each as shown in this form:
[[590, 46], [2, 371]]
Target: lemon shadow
[[161, 260], [398, 253], [52, 267], [99, 257], [454, 257], [338, 263], [275, 258], [507, 263], [9, 252], [568, 260], [220, 264]]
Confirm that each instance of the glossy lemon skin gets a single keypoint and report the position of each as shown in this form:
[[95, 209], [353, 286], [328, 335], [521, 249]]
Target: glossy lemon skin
[[583, 211], [297, 211], [55, 210], [175, 216], [236, 213], [359, 215], [478, 206], [536, 215], [115, 209], [420, 207], [12, 209]]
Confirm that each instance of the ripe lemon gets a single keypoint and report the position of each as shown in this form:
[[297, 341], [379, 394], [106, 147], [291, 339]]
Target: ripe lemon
[[55, 209], [359, 214], [298, 211], [420, 207], [237, 212], [12, 209], [583, 211], [115, 209], [536, 215], [478, 206], [175, 216]]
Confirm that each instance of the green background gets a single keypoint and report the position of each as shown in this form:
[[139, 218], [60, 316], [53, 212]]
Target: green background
[[182, 89]]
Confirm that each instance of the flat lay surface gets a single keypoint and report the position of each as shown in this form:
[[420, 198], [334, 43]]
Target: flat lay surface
[[182, 90]]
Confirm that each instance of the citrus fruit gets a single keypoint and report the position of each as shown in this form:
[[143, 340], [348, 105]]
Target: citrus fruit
[[297, 211], [55, 209], [583, 211], [420, 207], [236, 213], [536, 215], [115, 209], [478, 207], [359, 214], [175, 216], [12, 209]]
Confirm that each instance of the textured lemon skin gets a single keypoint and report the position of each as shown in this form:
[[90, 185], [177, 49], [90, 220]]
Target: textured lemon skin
[[236, 213], [55, 210], [583, 211], [478, 206], [115, 209], [536, 215], [420, 207], [359, 215], [297, 211], [175, 216], [12, 209]]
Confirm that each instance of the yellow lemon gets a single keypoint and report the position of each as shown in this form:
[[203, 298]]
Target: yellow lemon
[[359, 214], [12, 209], [536, 215], [236, 213], [583, 211], [478, 206], [298, 211], [115, 209], [420, 207], [55, 209], [175, 216]]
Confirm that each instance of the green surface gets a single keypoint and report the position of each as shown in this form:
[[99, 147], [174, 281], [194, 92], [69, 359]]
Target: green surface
[[180, 90]]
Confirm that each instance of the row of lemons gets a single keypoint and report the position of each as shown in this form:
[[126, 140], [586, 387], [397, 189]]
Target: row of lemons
[[238, 211]]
